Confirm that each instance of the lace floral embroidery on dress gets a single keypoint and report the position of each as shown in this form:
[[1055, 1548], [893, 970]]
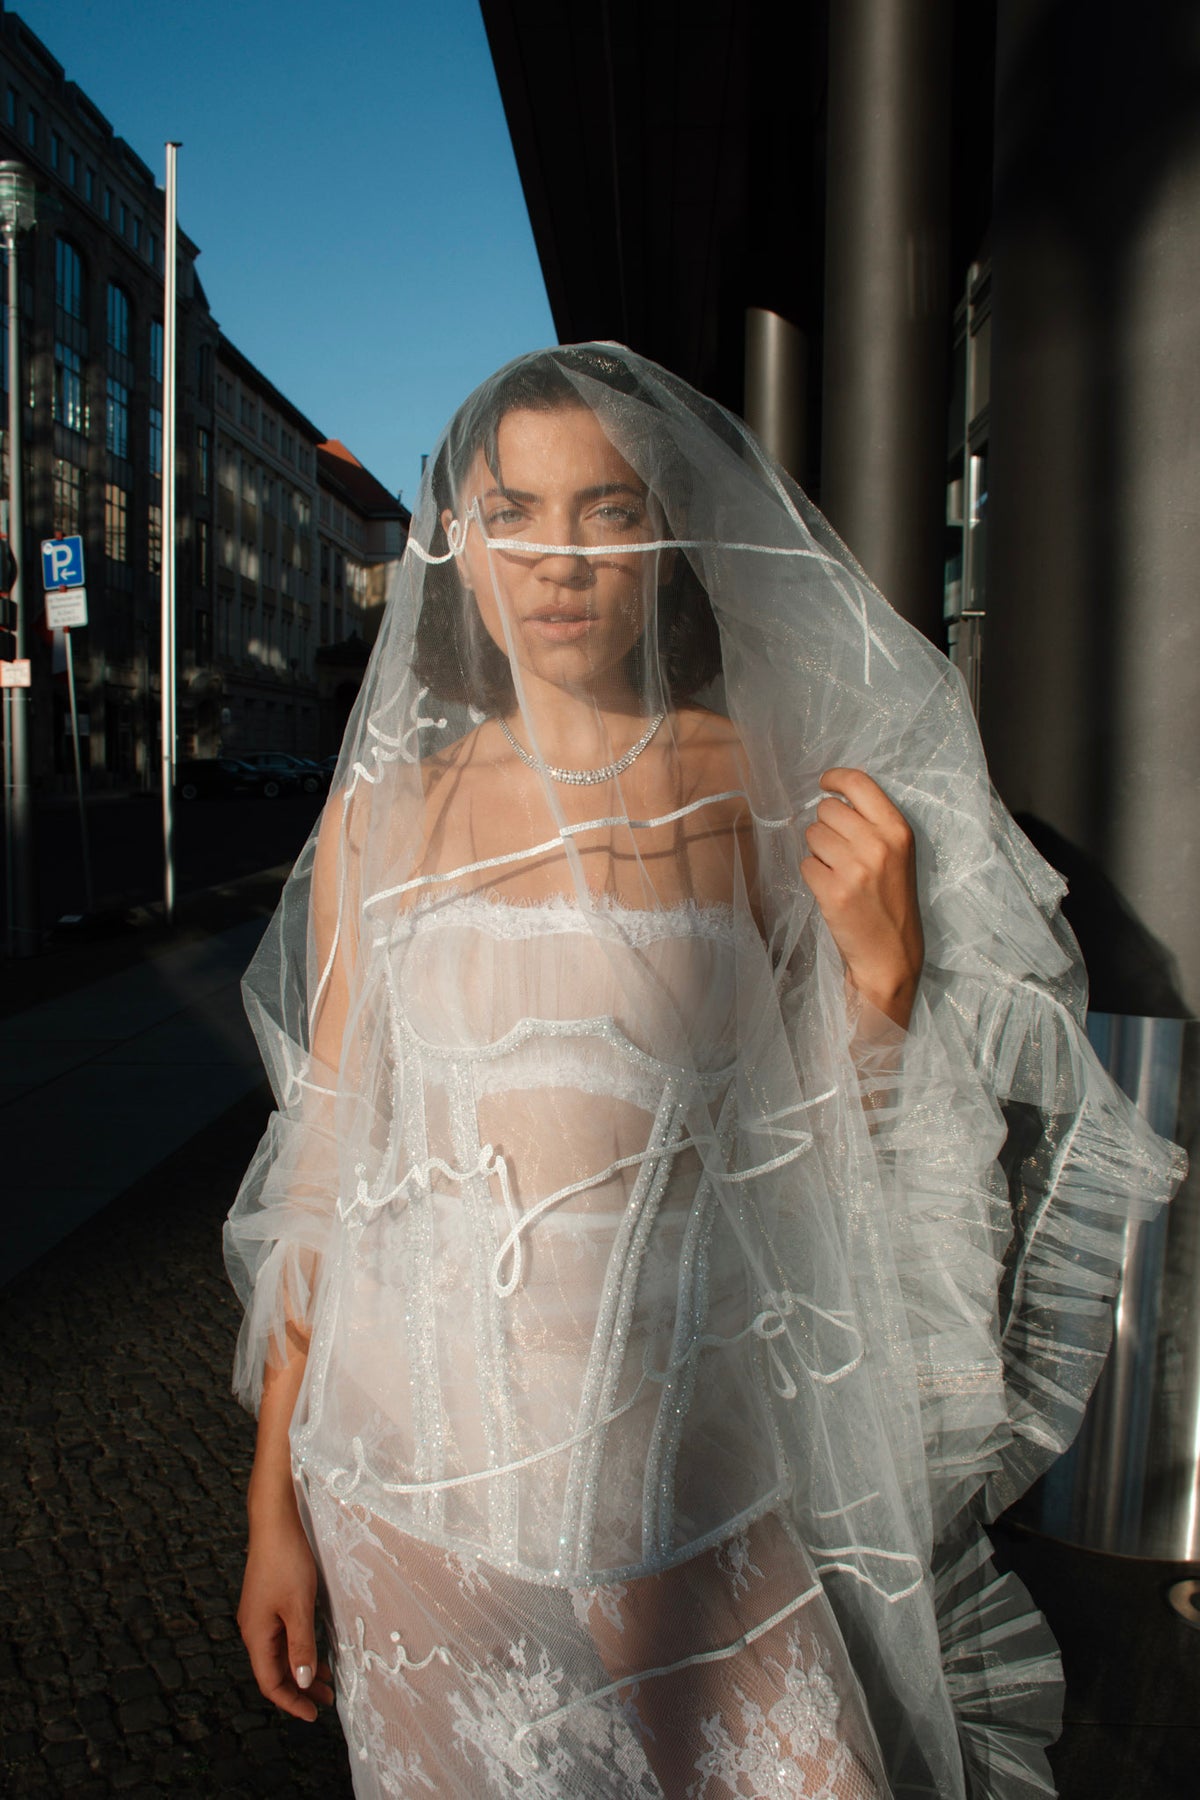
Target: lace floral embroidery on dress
[[397, 1772], [605, 1599], [791, 1749], [492, 1717], [733, 1559], [468, 1574]]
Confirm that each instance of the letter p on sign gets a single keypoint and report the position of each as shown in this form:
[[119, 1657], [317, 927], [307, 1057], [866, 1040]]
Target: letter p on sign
[[62, 562]]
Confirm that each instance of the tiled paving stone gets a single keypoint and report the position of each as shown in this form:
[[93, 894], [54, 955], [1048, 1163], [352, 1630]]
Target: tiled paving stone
[[123, 1465]]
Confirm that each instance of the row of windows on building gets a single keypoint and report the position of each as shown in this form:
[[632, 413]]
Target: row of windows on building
[[70, 353], [70, 294], [71, 409], [278, 638], [338, 519], [256, 419], [285, 571], [239, 477], [70, 506], [49, 144], [342, 575], [70, 511], [70, 494]]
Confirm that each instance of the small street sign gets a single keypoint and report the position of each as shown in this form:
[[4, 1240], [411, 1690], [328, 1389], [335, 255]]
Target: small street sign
[[62, 562], [66, 609], [15, 673]]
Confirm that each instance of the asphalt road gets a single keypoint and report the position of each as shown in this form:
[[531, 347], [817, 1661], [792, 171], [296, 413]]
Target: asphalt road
[[215, 841]]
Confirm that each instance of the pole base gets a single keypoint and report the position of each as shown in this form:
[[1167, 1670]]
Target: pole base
[[1184, 1598]]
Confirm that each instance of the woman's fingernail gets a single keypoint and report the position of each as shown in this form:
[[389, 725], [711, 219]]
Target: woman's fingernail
[[304, 1676]]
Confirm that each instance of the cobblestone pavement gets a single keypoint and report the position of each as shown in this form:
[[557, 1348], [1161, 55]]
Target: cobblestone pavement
[[123, 1465]]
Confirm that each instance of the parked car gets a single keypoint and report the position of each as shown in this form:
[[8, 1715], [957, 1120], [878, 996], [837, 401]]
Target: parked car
[[222, 777], [309, 774]]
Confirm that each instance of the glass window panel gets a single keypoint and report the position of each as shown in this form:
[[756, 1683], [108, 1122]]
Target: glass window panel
[[118, 319], [116, 509], [68, 279], [116, 429]]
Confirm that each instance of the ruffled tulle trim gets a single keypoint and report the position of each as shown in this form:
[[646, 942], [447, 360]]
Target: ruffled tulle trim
[[1008, 1284], [1003, 1676], [276, 1238]]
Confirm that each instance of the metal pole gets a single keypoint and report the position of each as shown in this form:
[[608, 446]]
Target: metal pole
[[9, 933], [83, 834], [23, 914], [168, 542], [8, 814]]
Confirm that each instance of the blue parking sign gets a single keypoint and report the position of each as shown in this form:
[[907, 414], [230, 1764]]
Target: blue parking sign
[[62, 563]]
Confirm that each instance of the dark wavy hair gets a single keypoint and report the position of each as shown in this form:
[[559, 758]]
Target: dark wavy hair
[[453, 654]]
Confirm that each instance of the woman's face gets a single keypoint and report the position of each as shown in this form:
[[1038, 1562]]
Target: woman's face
[[567, 619]]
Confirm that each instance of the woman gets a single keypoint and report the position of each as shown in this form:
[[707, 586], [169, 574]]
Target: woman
[[648, 1327]]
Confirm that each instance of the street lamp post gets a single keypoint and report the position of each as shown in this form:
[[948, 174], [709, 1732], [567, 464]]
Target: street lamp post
[[17, 213]]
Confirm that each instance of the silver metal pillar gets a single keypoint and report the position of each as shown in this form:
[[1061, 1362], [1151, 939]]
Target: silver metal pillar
[[887, 305], [1130, 1484], [776, 390], [170, 457]]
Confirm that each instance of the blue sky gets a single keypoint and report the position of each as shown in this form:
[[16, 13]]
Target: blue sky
[[347, 174]]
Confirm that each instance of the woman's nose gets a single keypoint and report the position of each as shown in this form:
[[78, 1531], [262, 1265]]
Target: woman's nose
[[565, 568]]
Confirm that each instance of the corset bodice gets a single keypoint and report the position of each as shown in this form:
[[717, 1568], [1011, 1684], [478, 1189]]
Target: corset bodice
[[615, 1001], [538, 1286]]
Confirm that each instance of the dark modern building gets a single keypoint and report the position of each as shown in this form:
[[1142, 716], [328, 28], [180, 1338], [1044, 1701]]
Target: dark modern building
[[944, 256]]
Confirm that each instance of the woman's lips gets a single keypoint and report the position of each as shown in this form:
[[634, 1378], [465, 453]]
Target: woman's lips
[[560, 628]]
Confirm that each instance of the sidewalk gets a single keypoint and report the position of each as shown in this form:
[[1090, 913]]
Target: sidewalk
[[98, 1085], [132, 1098], [124, 1460]]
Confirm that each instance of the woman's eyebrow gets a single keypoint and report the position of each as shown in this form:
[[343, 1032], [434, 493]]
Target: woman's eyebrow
[[606, 488], [602, 491], [507, 493]]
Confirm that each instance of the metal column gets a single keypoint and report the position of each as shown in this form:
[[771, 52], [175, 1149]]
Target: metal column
[[887, 306], [776, 405]]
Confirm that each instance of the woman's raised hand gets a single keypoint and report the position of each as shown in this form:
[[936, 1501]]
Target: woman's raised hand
[[862, 871]]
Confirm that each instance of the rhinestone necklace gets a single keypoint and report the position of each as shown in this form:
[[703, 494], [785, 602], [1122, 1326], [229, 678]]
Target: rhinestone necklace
[[585, 777]]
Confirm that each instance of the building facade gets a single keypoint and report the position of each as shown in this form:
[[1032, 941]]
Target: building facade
[[362, 529], [259, 675], [91, 297], [252, 611]]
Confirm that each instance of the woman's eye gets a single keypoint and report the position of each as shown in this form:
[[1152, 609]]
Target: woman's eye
[[618, 515], [505, 515]]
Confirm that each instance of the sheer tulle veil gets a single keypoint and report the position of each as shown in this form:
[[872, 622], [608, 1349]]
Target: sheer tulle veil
[[733, 1258]]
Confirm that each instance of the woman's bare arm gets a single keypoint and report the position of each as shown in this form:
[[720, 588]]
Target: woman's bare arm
[[279, 1590], [276, 1613]]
